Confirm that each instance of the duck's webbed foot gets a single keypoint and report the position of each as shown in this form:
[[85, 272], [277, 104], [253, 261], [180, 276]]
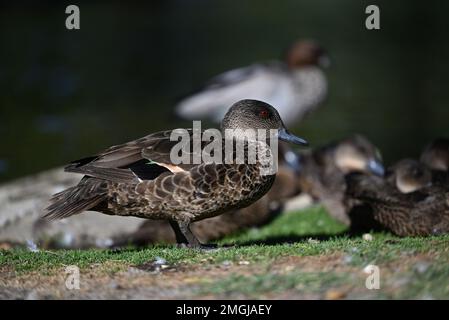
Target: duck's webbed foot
[[202, 246]]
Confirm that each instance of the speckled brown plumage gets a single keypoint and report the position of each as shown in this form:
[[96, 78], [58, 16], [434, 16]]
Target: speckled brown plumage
[[138, 178], [188, 193], [257, 214], [420, 213], [323, 170], [406, 175]]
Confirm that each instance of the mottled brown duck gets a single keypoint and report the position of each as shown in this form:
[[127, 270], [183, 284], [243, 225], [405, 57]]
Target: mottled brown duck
[[139, 178], [409, 175], [406, 176], [323, 170], [421, 210]]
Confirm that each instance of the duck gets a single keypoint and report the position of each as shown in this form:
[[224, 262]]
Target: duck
[[409, 175], [410, 207], [323, 170], [260, 213], [296, 86], [436, 157], [405, 176], [142, 178]]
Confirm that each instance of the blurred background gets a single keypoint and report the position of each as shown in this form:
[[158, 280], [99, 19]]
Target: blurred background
[[65, 94]]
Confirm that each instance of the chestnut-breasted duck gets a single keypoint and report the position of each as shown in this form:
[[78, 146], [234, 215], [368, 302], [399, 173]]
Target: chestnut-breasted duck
[[295, 86]]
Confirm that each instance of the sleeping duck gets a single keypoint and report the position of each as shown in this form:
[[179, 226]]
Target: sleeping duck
[[406, 203], [323, 170]]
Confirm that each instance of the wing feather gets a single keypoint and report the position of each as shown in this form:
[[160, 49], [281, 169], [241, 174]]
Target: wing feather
[[131, 162]]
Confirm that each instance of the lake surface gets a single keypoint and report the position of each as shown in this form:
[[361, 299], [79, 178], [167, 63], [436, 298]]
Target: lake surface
[[66, 94]]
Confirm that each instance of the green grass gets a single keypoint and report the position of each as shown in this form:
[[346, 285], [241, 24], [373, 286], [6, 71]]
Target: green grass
[[297, 234], [314, 222], [299, 228]]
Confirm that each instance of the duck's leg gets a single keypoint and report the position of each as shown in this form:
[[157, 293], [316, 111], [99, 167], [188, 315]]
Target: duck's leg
[[180, 238], [185, 236]]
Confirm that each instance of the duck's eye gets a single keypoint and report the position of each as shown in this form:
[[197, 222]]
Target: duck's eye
[[264, 114]]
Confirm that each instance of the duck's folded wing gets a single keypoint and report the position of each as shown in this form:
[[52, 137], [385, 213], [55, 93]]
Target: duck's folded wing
[[141, 159], [163, 151], [110, 174], [214, 98]]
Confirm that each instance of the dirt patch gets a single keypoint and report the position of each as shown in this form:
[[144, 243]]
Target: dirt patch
[[147, 281], [334, 262], [116, 280]]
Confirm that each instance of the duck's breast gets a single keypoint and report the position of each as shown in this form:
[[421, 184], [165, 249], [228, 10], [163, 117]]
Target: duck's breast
[[220, 187]]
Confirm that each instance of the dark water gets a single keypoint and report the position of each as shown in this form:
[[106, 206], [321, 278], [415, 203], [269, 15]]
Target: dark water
[[65, 94]]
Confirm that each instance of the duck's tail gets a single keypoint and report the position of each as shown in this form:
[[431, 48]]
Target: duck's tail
[[87, 194]]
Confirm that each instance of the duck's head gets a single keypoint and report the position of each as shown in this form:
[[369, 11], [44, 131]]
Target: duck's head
[[306, 53], [357, 154], [409, 175], [436, 155], [254, 114]]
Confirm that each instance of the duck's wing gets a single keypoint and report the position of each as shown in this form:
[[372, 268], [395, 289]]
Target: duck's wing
[[212, 100], [141, 159]]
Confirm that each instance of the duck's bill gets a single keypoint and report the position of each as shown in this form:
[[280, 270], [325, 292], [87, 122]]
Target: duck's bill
[[285, 135], [376, 168]]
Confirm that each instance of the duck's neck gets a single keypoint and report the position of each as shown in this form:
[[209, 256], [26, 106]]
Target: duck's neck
[[261, 153]]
